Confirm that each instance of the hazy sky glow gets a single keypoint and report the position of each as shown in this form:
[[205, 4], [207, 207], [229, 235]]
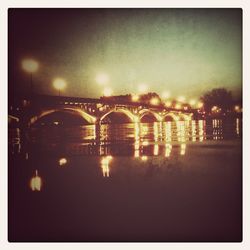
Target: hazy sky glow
[[183, 51]]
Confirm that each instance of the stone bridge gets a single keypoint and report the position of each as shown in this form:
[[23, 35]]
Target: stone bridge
[[95, 111]]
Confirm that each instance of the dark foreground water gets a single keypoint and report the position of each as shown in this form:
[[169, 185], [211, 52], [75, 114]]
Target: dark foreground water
[[127, 182]]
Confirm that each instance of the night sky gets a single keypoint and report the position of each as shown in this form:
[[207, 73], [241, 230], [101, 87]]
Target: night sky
[[183, 51]]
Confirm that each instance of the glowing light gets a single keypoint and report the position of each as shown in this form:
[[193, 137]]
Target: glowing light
[[168, 103], [102, 79], [145, 143], [144, 158], [59, 84], [135, 98], [214, 108], [180, 131], [156, 131], [30, 65], [156, 149], [145, 129], [237, 126], [199, 105], [107, 91], [137, 140], [62, 161], [178, 106], [105, 165], [193, 127], [237, 108], [142, 88], [154, 101], [168, 132], [137, 149], [201, 130], [36, 182], [192, 102], [183, 149], [181, 98], [165, 94], [168, 150]]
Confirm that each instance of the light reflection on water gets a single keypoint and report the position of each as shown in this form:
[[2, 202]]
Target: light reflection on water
[[142, 141], [136, 134]]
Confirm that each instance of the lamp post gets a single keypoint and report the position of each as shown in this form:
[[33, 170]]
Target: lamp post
[[59, 84], [30, 66]]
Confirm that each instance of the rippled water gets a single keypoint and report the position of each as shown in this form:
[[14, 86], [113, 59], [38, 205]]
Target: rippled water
[[74, 139]]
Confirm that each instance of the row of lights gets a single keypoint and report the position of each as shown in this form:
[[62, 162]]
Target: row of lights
[[31, 66], [156, 101], [216, 109], [103, 80]]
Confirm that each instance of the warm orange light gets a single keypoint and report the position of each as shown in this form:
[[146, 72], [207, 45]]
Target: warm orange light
[[59, 84], [237, 108], [214, 108], [62, 161], [154, 101], [183, 149], [168, 103], [30, 65], [168, 150], [192, 102], [144, 158], [36, 182], [156, 149], [178, 106], [199, 105], [135, 98], [105, 165]]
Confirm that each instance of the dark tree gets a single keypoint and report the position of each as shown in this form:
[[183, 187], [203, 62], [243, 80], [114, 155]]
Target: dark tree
[[217, 97]]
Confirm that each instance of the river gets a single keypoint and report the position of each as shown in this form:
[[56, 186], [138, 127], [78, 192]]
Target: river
[[170, 181]]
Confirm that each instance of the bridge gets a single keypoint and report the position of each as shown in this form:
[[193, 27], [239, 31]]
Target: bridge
[[94, 111]]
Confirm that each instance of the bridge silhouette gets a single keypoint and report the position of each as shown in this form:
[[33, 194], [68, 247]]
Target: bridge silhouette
[[94, 111]]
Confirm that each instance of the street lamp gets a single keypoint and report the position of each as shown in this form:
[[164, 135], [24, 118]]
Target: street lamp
[[135, 98], [154, 101], [59, 84], [192, 102], [102, 79], [199, 105], [30, 66]]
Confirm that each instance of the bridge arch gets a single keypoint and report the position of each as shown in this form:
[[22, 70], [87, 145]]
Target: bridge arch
[[127, 112], [186, 117], [172, 115], [144, 112], [89, 118]]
